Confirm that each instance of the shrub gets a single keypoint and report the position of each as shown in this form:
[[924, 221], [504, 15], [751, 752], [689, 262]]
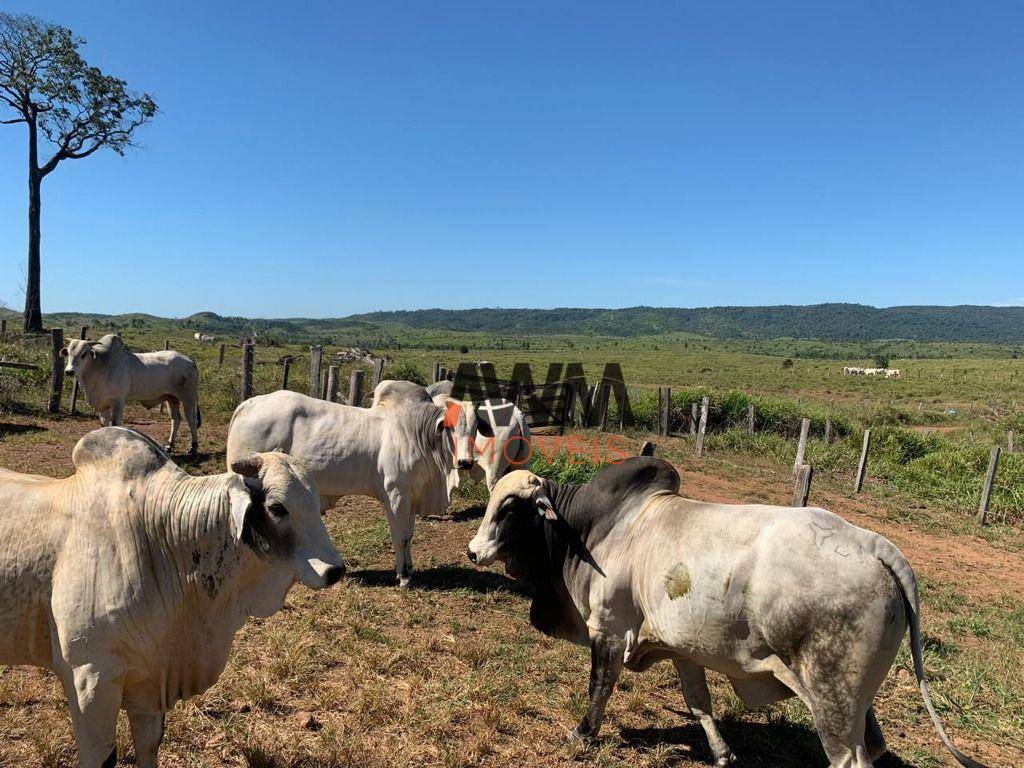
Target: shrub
[[405, 372]]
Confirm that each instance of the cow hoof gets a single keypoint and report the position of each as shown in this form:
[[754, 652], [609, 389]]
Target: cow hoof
[[580, 738], [726, 760], [168, 447], [405, 583]]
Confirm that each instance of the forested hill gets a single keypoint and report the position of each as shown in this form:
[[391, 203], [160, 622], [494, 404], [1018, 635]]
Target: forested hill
[[839, 322]]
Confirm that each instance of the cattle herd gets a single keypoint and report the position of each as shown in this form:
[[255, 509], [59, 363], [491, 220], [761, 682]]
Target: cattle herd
[[130, 578]]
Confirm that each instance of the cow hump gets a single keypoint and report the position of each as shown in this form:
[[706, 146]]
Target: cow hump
[[636, 476], [118, 451]]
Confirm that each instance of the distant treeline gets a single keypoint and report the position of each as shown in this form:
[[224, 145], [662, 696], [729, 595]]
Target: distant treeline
[[820, 322], [833, 322]]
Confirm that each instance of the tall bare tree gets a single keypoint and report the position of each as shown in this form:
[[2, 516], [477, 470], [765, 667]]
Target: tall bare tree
[[74, 107]]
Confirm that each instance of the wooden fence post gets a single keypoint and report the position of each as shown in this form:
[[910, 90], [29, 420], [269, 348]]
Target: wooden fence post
[[378, 371], [355, 388], [316, 356], [74, 384], [437, 372], [571, 396], [990, 479], [443, 373], [666, 413], [648, 448], [287, 365], [332, 384], [801, 446], [802, 489], [220, 357], [862, 465], [828, 431], [702, 429], [247, 355], [167, 345], [693, 418], [751, 412], [57, 371], [3, 329], [661, 400], [602, 417]]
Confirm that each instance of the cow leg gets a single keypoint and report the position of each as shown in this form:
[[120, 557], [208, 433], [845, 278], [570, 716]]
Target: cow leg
[[192, 417], [874, 739], [175, 423], [698, 699], [402, 522], [117, 413], [147, 733], [606, 655], [93, 703]]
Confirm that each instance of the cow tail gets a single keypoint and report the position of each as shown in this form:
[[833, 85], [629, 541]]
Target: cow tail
[[199, 416], [904, 576]]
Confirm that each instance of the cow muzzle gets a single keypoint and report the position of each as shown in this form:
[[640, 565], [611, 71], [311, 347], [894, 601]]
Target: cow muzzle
[[465, 464], [316, 574]]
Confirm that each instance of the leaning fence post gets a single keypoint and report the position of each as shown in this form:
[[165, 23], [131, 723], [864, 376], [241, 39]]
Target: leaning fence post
[[990, 479], [862, 465], [74, 384], [57, 372], [702, 429], [247, 371], [801, 446], [3, 329], [220, 357], [332, 384], [828, 431], [378, 371], [751, 411], [606, 395], [437, 372], [802, 489], [287, 364], [316, 354], [355, 388]]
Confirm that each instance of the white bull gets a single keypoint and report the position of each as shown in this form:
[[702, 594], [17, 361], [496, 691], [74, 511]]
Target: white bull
[[111, 375], [399, 452], [130, 578], [782, 601]]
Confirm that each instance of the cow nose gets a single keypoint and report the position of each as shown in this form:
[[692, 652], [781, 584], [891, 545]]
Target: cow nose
[[333, 575], [69, 371], [465, 463], [471, 555]]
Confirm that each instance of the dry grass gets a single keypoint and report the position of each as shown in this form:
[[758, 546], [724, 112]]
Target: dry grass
[[451, 673]]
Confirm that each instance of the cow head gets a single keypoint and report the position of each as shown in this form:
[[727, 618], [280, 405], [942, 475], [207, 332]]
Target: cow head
[[83, 354], [517, 500], [461, 418], [277, 515]]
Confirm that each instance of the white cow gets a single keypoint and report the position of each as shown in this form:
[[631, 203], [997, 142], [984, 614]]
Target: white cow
[[112, 375], [500, 441], [399, 452], [782, 601], [130, 578], [202, 338], [893, 373]]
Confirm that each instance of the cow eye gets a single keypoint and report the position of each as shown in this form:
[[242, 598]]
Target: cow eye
[[278, 510], [484, 429]]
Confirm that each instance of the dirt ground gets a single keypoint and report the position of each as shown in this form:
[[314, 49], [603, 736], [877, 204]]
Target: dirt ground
[[451, 673]]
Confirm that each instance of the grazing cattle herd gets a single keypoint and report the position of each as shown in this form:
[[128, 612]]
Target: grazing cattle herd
[[136, 576]]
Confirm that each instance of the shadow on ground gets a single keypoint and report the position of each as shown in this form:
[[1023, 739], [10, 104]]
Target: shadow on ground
[[18, 429], [778, 744], [443, 577]]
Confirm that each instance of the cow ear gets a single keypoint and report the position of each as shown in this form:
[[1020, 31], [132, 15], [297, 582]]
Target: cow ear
[[546, 508], [248, 466], [64, 352], [241, 502]]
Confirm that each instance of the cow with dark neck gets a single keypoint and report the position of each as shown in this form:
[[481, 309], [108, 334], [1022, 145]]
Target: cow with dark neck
[[783, 601]]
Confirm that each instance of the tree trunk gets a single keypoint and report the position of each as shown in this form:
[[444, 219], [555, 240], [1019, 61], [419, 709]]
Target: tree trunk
[[33, 306]]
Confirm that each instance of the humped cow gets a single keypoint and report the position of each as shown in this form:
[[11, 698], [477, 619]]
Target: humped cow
[[111, 375], [783, 601], [130, 578], [399, 452], [494, 430]]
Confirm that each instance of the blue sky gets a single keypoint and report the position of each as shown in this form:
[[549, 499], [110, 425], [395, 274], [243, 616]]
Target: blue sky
[[349, 157]]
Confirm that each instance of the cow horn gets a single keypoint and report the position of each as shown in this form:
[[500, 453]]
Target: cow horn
[[248, 466]]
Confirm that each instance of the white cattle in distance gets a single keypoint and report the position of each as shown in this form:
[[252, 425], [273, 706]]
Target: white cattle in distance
[[400, 452], [111, 375], [202, 338], [130, 578]]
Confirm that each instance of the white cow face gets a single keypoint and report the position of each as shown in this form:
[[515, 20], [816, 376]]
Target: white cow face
[[516, 500], [461, 417], [78, 355], [280, 520]]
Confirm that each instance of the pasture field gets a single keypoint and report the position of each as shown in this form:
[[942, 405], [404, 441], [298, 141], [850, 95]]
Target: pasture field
[[451, 674]]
